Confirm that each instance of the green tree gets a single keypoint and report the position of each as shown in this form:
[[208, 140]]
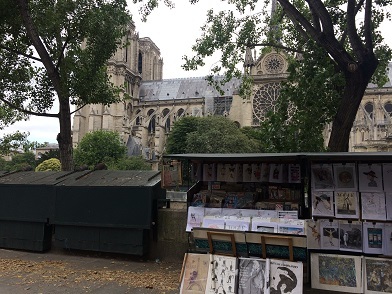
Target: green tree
[[57, 51], [22, 161], [53, 153], [341, 44], [215, 134], [128, 163], [52, 164], [99, 147]]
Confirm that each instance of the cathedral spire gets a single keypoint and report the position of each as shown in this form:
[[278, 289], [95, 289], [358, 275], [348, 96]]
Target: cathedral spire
[[249, 61]]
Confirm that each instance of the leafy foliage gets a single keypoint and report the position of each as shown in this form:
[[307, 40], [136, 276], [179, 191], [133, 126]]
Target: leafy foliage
[[98, 147], [215, 134], [128, 163], [23, 161], [52, 164], [53, 153]]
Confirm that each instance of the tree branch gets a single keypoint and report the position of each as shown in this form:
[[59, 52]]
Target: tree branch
[[20, 53], [352, 30], [79, 108], [318, 7], [368, 26], [268, 44], [27, 111]]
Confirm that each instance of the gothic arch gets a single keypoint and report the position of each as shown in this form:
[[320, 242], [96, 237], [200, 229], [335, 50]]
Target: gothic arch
[[264, 101]]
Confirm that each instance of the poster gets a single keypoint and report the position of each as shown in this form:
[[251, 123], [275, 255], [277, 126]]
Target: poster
[[329, 234], [370, 177], [346, 205], [286, 277], [345, 177], [194, 280], [387, 176], [350, 235], [373, 234], [294, 173], [276, 173], [387, 246], [195, 217], [378, 275], [322, 177], [322, 203], [221, 172], [373, 206], [221, 275], [253, 276], [313, 235], [256, 172], [336, 272], [171, 175], [209, 172]]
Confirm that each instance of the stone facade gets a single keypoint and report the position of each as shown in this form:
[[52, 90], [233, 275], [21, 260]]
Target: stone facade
[[145, 118]]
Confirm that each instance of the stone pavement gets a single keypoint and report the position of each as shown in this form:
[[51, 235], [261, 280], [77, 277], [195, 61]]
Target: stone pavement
[[72, 272]]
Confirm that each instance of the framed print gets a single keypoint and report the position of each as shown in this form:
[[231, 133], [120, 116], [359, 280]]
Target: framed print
[[388, 204], [346, 204], [378, 275], [322, 203], [253, 276], [387, 246], [195, 217], [322, 177], [336, 272], [387, 176], [221, 274], [345, 176], [373, 235], [373, 206], [350, 235], [194, 279], [370, 177], [313, 234], [329, 234], [286, 277]]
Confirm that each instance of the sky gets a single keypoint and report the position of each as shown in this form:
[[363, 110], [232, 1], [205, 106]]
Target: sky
[[174, 31]]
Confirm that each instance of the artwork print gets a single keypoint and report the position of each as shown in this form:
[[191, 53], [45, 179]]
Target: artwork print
[[336, 272], [378, 275], [253, 276], [346, 204], [194, 280], [373, 206], [322, 203], [294, 173], [387, 249], [387, 176], [370, 177], [345, 177], [286, 277], [209, 172], [195, 217], [329, 235], [313, 235], [373, 234], [322, 177], [276, 173], [350, 236], [221, 275], [388, 203], [247, 172]]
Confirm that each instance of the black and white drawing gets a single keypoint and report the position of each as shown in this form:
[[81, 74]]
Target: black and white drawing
[[370, 177], [350, 235], [345, 177], [221, 275], [373, 206], [322, 177], [253, 276], [329, 234], [286, 277], [322, 203], [195, 217]]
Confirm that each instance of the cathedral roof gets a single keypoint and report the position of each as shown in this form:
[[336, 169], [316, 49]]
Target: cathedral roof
[[187, 88]]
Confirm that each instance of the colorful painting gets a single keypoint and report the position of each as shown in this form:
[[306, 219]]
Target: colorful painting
[[194, 279], [221, 275], [286, 277], [336, 272], [322, 177], [370, 177], [373, 206], [253, 276], [346, 205], [345, 177], [322, 203], [350, 236], [378, 275]]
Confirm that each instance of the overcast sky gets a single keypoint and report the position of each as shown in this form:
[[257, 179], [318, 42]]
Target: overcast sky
[[174, 31]]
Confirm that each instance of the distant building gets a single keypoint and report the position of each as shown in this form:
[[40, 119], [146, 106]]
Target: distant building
[[42, 150], [145, 120]]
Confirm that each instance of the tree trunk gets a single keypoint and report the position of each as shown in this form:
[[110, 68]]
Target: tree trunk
[[356, 84], [64, 138]]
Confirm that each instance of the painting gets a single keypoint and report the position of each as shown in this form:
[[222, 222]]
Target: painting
[[346, 204], [373, 234], [387, 176], [345, 177], [195, 217], [335, 272], [195, 273], [221, 275], [329, 234], [350, 235], [378, 275], [253, 276], [286, 277], [373, 206], [322, 203], [370, 177], [322, 177], [313, 235]]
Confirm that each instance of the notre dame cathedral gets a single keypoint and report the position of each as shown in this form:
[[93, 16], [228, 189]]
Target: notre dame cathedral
[[146, 118]]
